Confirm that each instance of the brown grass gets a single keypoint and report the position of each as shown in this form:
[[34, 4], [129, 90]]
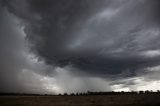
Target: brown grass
[[99, 100]]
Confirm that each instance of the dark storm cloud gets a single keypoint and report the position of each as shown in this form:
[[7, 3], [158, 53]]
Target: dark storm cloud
[[11, 61], [44, 44], [15, 58], [98, 37]]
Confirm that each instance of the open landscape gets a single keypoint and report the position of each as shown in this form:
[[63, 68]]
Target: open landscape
[[152, 99], [79, 52]]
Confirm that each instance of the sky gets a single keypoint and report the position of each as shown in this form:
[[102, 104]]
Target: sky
[[57, 46]]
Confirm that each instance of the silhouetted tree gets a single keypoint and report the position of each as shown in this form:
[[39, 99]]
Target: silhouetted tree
[[65, 94], [72, 94], [141, 92]]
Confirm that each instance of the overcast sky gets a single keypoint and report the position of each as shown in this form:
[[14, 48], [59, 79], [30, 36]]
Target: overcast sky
[[57, 46]]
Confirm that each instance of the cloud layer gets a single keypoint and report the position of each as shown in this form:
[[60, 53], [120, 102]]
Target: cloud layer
[[101, 45]]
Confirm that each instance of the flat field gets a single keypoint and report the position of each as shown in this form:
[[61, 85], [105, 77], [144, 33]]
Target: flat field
[[86, 100]]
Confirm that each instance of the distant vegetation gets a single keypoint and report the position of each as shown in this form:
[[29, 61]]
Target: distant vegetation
[[140, 98], [85, 93], [111, 93]]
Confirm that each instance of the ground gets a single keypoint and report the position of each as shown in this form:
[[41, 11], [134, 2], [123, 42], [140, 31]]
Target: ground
[[85, 100]]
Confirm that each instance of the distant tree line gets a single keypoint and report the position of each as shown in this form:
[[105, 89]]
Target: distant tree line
[[19, 94], [112, 93], [85, 93]]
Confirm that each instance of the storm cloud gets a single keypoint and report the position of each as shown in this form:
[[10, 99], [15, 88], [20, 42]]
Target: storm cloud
[[109, 42]]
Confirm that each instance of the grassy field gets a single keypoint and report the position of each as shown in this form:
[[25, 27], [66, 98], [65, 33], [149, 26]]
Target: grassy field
[[86, 100]]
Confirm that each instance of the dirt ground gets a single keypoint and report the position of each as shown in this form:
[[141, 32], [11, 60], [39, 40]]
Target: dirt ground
[[86, 100]]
